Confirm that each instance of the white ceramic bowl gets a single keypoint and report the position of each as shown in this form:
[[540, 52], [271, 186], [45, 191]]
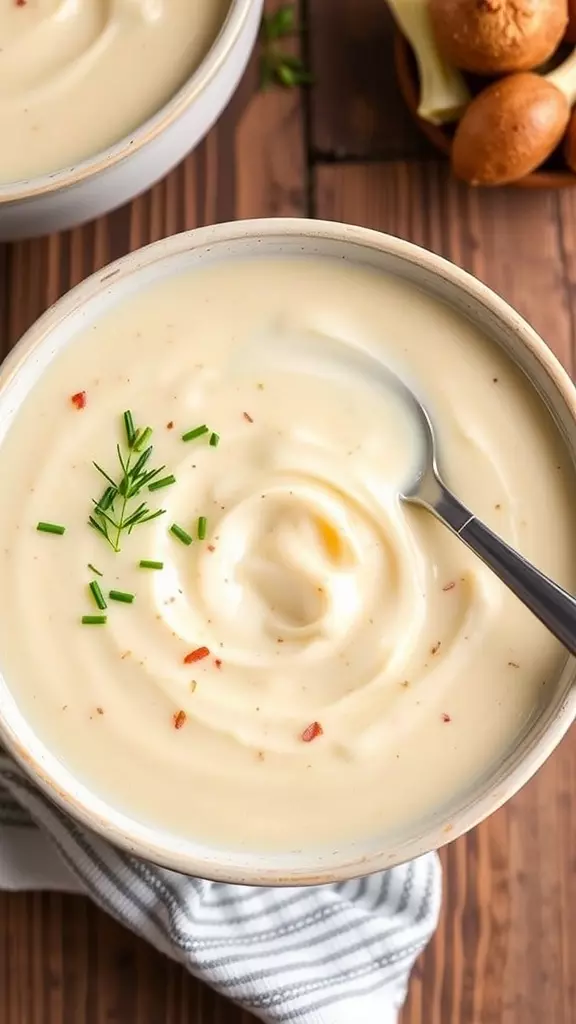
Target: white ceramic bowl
[[58, 328], [62, 199]]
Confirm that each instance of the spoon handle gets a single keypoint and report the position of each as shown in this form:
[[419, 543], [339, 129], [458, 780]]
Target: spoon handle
[[550, 603]]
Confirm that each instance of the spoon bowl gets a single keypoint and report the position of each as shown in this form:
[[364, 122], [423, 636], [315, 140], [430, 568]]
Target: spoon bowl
[[425, 486]]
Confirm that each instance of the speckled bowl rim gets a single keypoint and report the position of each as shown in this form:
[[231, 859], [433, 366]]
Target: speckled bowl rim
[[45, 184], [152, 843]]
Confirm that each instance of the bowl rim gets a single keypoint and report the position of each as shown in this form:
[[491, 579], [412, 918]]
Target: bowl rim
[[167, 850], [65, 177]]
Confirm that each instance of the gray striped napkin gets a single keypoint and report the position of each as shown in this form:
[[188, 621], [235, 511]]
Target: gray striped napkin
[[332, 954]]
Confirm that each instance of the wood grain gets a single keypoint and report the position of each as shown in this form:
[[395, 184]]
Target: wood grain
[[356, 111], [505, 952]]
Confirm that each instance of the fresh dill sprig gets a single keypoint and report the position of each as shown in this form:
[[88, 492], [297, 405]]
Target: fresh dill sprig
[[113, 513], [276, 66]]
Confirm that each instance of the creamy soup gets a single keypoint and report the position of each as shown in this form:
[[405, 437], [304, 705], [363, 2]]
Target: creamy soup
[[77, 76], [303, 659]]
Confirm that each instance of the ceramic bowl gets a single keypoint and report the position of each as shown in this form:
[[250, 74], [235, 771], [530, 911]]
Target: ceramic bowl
[[294, 238], [62, 199]]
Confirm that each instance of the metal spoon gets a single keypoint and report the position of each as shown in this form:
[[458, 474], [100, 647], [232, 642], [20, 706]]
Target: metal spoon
[[549, 602], [555, 607]]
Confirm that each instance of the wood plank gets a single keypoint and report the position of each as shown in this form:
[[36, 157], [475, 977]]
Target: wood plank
[[505, 952], [356, 110], [61, 960]]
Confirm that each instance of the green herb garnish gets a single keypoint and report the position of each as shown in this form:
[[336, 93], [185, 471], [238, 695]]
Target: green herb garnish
[[120, 595], [191, 435], [112, 514], [180, 533], [51, 528], [145, 563], [97, 594], [214, 439], [164, 482], [142, 438], [201, 527], [94, 620], [94, 569], [276, 66], [130, 428]]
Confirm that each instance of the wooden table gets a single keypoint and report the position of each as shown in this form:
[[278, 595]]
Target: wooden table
[[505, 951]]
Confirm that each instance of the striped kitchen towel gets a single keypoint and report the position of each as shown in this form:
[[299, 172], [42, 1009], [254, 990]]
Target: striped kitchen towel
[[333, 954]]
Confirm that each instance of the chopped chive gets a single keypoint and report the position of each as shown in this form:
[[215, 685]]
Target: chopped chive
[[121, 595], [94, 620], [141, 439], [197, 432], [201, 527], [145, 563], [51, 528], [214, 439], [164, 482], [94, 569], [97, 595], [180, 533], [130, 428]]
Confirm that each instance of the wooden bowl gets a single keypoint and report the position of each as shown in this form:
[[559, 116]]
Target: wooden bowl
[[552, 174]]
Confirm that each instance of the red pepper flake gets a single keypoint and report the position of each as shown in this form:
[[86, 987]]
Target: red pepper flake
[[21, 3], [311, 732], [79, 400], [179, 719], [170, 425], [100, 711], [435, 648], [449, 586], [218, 662], [247, 417], [211, 547], [445, 717], [513, 664], [197, 655]]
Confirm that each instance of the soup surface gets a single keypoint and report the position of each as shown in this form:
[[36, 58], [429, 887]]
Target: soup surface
[[77, 76], [307, 661]]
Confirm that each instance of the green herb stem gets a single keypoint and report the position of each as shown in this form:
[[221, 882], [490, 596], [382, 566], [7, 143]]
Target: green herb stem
[[202, 527], [130, 428], [111, 516], [97, 594], [191, 435], [180, 533], [214, 439], [94, 569], [121, 595], [50, 528], [146, 563], [142, 438], [164, 482], [94, 620]]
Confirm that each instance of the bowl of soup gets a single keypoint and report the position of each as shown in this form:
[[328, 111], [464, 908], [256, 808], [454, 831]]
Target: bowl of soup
[[101, 99], [225, 643]]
